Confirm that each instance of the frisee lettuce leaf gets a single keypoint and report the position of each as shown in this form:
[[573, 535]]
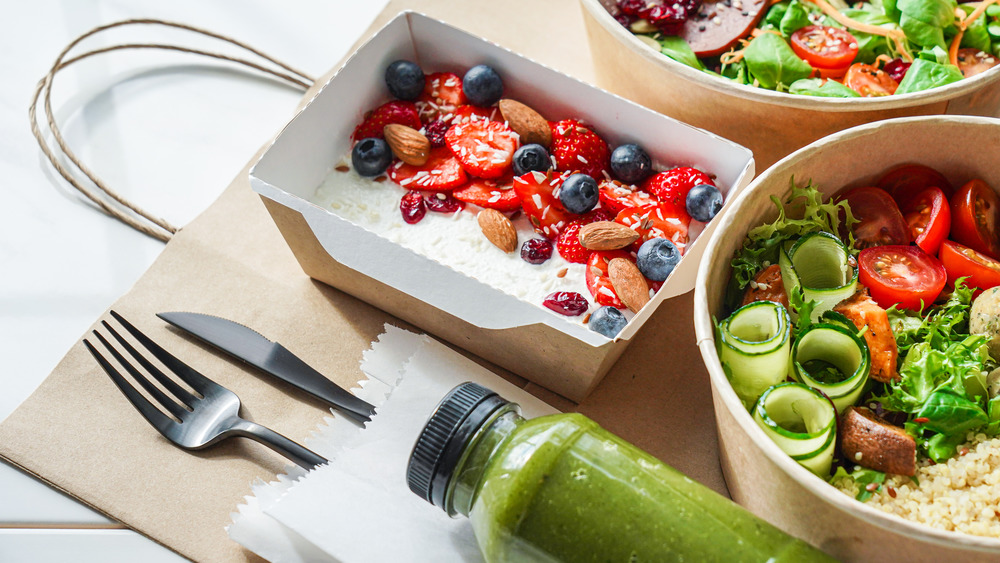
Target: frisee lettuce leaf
[[802, 213]]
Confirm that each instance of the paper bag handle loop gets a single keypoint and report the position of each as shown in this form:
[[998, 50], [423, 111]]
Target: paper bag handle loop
[[96, 190]]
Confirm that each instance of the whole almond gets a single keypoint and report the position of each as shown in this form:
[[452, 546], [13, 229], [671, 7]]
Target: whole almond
[[408, 144], [526, 122], [498, 229], [629, 283], [606, 235]]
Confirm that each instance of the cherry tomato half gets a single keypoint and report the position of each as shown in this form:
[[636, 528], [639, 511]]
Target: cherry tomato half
[[903, 182], [879, 219], [928, 217], [975, 218], [903, 275], [961, 261], [972, 61], [869, 81], [825, 47]]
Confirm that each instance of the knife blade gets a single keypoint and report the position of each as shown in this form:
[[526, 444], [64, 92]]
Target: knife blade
[[250, 346]]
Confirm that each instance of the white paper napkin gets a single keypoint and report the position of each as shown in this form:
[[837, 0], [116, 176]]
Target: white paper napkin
[[358, 507]]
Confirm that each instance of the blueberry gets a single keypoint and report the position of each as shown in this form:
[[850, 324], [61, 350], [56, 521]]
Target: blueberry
[[405, 80], [531, 157], [657, 258], [371, 156], [631, 164], [703, 202], [482, 86], [578, 193], [608, 321]]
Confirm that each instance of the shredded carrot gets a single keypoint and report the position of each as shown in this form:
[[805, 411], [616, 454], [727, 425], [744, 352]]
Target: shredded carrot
[[953, 48], [977, 12], [896, 35]]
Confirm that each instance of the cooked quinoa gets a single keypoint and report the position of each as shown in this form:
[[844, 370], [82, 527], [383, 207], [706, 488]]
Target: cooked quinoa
[[962, 495]]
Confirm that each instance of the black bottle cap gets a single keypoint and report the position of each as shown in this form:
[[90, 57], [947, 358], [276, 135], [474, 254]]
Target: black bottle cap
[[440, 445]]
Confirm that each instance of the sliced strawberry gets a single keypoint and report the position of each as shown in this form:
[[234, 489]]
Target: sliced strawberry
[[576, 147], [568, 244], [672, 186], [467, 113], [616, 196], [442, 172], [485, 148], [655, 221], [543, 209], [403, 113], [442, 94], [495, 194], [598, 281]]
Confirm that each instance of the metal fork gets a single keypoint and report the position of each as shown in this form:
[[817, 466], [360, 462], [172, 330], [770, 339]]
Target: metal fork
[[198, 420]]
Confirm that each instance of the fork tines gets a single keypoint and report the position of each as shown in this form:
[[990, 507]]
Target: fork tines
[[184, 399]]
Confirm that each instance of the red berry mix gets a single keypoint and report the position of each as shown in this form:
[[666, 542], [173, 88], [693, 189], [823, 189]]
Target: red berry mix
[[412, 207], [470, 163], [569, 303], [536, 250]]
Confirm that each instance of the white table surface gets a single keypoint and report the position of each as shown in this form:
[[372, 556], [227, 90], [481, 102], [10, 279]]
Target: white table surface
[[169, 131]]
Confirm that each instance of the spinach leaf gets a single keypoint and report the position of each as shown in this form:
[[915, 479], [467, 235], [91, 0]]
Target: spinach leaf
[[822, 87], [924, 74], [976, 34], [922, 33], [794, 18], [940, 447], [773, 63], [934, 54], [937, 13], [774, 15], [678, 49], [951, 414], [890, 10], [869, 46]]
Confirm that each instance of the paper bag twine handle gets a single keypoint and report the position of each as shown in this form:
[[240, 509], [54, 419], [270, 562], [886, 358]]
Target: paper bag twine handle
[[99, 193]]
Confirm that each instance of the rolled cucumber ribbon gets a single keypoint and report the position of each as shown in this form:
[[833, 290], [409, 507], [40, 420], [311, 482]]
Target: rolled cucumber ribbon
[[754, 348], [802, 422], [820, 265], [833, 359]]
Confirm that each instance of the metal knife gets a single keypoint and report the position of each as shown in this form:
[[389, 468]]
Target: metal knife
[[253, 348]]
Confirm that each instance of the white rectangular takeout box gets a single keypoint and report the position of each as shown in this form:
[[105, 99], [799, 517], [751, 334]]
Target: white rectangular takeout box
[[556, 352]]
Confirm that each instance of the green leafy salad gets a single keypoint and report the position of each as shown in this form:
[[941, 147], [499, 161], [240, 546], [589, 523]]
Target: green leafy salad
[[845, 385], [826, 48]]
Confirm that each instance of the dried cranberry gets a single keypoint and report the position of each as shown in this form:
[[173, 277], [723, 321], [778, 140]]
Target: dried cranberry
[[625, 19], [896, 69], [690, 6], [668, 18], [569, 303], [631, 7], [434, 131], [412, 207], [536, 250], [444, 203]]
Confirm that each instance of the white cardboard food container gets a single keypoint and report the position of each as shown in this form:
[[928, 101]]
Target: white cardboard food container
[[771, 124], [760, 476], [544, 347]]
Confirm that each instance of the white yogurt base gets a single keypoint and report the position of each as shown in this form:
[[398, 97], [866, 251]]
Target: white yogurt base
[[454, 239]]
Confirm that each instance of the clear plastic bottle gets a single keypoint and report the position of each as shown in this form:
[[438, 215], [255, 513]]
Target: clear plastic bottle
[[561, 488]]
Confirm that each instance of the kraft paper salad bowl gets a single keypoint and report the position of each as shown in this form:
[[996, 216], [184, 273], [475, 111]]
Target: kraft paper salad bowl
[[761, 476], [772, 124]]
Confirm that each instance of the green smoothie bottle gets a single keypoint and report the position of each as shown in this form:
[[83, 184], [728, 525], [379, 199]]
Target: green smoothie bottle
[[561, 488]]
